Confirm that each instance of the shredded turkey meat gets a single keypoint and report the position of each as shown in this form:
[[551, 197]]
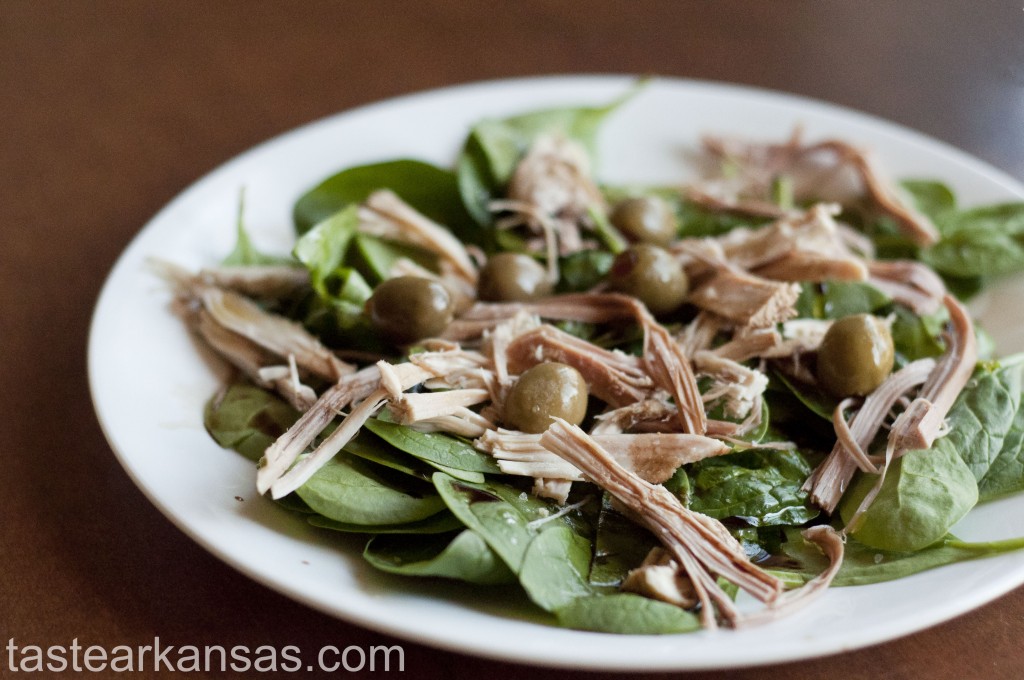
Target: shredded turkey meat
[[653, 457], [702, 546], [385, 214], [747, 172]]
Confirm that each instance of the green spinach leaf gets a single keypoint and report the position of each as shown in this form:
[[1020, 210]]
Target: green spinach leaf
[[626, 613], [924, 494], [244, 252], [247, 419], [353, 491], [441, 523], [760, 487], [494, 146], [466, 557], [620, 545], [836, 299], [863, 565], [429, 189], [986, 426], [555, 567], [433, 447]]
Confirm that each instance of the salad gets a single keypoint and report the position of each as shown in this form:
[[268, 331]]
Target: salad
[[634, 402]]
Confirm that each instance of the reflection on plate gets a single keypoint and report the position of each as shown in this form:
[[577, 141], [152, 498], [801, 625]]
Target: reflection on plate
[[149, 382]]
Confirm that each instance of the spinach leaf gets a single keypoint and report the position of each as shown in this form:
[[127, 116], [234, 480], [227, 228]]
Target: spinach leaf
[[429, 189], [620, 545], [322, 248], [836, 299], [494, 146], [934, 199], [555, 567], [760, 487], [352, 491], [914, 337], [977, 252], [817, 400], [500, 513], [863, 565], [374, 257], [986, 426], [368, 446], [441, 523], [335, 312], [583, 270], [626, 613], [244, 252], [696, 221], [465, 557], [433, 447], [980, 242], [924, 493], [247, 419]]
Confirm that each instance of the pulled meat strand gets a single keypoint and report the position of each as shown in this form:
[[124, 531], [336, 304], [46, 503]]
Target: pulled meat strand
[[702, 546]]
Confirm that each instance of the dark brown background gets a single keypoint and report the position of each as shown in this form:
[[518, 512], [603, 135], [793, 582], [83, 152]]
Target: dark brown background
[[110, 109]]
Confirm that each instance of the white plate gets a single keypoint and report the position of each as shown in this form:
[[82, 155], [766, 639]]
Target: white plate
[[149, 382]]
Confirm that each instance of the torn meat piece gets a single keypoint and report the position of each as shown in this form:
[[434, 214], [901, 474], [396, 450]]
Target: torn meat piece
[[831, 544], [663, 358], [554, 177], [614, 377], [385, 214], [827, 170], [745, 299], [910, 283], [412, 408], [653, 457], [660, 577], [240, 315], [919, 425], [555, 489], [703, 547], [701, 332], [806, 266], [257, 364], [461, 421], [258, 281], [831, 478], [276, 477], [737, 387], [628, 417], [752, 344]]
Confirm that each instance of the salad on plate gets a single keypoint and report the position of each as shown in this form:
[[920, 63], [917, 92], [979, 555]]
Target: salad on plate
[[654, 408]]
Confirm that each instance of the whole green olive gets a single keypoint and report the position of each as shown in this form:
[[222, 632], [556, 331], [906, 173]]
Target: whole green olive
[[651, 275], [408, 308], [513, 277], [647, 219], [543, 392], [855, 355]]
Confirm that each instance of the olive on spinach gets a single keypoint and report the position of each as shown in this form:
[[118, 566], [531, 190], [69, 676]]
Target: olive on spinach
[[407, 308], [651, 275], [646, 219], [546, 391], [513, 277], [855, 356]]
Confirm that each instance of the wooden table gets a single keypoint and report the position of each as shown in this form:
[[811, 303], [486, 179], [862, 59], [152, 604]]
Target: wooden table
[[111, 108]]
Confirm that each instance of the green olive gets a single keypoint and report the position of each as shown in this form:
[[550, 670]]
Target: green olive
[[408, 308], [855, 356], [513, 277], [546, 391], [647, 219], [651, 275]]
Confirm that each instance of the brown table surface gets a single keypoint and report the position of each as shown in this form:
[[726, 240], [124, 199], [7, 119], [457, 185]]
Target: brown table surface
[[111, 108]]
